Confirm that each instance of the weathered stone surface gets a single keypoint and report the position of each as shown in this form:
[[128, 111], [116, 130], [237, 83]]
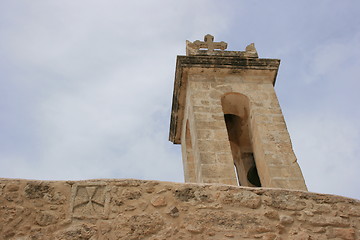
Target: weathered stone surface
[[185, 194], [243, 198], [158, 201], [45, 218], [174, 212], [272, 214], [136, 209], [221, 98], [284, 202], [36, 190], [286, 220], [141, 226], [329, 221], [81, 231], [342, 233]]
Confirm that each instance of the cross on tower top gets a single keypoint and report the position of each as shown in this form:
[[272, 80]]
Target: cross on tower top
[[210, 48], [208, 44]]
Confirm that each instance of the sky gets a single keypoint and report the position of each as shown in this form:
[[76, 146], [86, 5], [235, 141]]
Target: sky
[[86, 86]]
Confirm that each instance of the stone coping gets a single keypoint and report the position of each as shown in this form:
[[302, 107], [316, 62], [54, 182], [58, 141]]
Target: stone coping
[[140, 209]]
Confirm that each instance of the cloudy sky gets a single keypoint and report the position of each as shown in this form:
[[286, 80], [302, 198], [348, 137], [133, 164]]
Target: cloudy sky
[[86, 86]]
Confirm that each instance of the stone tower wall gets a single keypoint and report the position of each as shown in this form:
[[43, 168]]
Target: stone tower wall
[[275, 160], [135, 209], [201, 84]]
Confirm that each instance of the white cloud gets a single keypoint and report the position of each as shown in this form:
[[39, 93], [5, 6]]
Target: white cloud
[[102, 76], [327, 147], [334, 60]]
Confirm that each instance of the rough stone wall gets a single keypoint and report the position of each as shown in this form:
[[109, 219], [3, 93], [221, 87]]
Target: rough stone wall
[[136, 209]]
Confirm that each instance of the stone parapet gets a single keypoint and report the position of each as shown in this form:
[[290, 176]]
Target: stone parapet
[[137, 209]]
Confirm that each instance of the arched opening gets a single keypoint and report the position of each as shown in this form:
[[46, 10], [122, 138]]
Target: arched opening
[[236, 114]]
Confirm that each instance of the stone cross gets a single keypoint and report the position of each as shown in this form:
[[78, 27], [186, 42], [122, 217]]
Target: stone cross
[[209, 44]]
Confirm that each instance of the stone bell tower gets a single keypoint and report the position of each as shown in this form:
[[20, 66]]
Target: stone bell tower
[[227, 118]]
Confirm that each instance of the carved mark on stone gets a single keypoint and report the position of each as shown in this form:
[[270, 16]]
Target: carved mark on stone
[[89, 200]]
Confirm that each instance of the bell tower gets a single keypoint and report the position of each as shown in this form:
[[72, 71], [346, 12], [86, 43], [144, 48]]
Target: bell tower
[[226, 116]]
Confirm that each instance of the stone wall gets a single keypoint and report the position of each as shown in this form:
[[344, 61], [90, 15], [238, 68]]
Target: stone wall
[[136, 209]]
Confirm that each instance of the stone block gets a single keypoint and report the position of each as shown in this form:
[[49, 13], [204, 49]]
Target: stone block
[[207, 158], [220, 134], [201, 109], [199, 85], [278, 118], [280, 171], [279, 183], [210, 124], [342, 233], [214, 94], [205, 134], [224, 158], [297, 184], [202, 116], [213, 146], [200, 94], [217, 170], [224, 88], [244, 199], [261, 118], [219, 117]]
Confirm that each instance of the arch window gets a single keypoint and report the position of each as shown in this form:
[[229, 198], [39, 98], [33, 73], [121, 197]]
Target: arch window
[[236, 114]]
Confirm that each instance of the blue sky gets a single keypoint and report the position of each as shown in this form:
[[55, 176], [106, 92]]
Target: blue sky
[[86, 86]]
